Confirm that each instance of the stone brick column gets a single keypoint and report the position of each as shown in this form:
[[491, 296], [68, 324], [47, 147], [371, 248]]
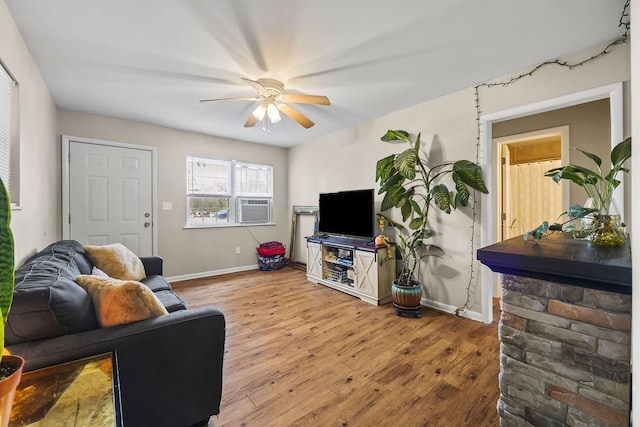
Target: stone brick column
[[565, 331], [565, 355]]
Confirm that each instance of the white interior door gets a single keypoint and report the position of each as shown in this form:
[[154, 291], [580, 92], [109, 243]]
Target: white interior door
[[110, 196]]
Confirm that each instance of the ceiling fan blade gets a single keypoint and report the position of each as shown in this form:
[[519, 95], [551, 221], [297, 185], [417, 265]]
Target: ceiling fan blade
[[251, 121], [257, 86], [306, 99], [296, 115], [229, 99]]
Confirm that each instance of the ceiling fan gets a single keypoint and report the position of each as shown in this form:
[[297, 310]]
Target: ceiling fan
[[274, 101]]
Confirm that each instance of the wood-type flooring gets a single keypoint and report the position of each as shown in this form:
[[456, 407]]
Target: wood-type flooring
[[301, 354]]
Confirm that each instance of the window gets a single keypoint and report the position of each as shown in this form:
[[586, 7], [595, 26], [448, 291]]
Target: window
[[222, 192], [8, 133]]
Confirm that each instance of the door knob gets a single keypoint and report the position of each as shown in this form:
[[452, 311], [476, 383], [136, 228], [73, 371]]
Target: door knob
[[147, 215], [147, 224]]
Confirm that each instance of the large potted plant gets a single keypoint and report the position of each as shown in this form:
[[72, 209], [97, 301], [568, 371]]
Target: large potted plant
[[11, 366], [412, 186], [603, 227]]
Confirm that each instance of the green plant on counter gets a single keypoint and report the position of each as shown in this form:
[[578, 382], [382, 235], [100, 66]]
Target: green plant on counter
[[599, 188]]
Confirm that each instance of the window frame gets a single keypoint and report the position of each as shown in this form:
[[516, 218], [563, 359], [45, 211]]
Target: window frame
[[233, 195], [12, 158]]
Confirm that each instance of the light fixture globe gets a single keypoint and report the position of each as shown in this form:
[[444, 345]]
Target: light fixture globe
[[259, 112], [273, 113]]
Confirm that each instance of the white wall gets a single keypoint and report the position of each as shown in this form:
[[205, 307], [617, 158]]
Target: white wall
[[196, 251], [346, 159], [37, 222]]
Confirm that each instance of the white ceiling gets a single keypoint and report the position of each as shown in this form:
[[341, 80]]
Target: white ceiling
[[151, 61]]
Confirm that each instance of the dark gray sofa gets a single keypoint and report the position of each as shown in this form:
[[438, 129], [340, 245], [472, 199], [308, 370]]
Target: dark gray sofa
[[170, 367]]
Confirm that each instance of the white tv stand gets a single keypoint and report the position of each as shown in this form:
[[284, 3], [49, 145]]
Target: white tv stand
[[355, 267]]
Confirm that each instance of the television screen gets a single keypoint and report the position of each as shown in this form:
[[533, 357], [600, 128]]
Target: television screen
[[347, 213]]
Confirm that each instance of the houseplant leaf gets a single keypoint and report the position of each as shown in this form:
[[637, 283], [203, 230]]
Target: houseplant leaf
[[576, 174], [392, 197], [538, 232], [453, 199], [417, 209], [440, 195], [405, 163], [621, 152], [597, 160], [461, 188], [415, 223], [577, 211], [395, 179], [396, 135], [384, 168], [471, 174], [406, 210], [6, 258]]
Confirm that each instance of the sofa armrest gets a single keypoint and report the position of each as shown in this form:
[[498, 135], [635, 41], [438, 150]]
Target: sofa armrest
[[170, 367], [152, 265]]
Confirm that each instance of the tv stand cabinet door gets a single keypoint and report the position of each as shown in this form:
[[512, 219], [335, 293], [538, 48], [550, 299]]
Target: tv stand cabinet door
[[367, 273], [314, 260]]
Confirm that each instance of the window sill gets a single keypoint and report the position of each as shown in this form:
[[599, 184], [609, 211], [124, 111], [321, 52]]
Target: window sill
[[190, 227]]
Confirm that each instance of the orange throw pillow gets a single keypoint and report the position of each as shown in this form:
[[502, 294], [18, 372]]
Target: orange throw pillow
[[118, 301], [117, 261]]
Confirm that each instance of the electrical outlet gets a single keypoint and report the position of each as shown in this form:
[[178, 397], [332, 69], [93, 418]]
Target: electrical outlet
[[238, 250], [167, 206]]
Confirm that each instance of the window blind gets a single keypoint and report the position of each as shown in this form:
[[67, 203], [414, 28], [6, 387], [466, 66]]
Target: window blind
[[253, 180], [6, 87], [208, 177]]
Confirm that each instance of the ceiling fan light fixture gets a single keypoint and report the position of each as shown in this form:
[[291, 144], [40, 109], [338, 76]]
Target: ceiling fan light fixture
[[273, 113], [259, 112], [271, 93]]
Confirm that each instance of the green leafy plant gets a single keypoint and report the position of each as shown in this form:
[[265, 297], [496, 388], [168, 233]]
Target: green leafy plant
[[599, 187], [412, 186], [6, 259]]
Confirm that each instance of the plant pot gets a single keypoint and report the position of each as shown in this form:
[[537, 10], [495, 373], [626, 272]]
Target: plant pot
[[607, 230], [8, 388], [406, 298]]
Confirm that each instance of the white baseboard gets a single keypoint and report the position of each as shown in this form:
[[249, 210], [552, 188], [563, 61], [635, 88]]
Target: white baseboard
[[211, 273], [446, 308]]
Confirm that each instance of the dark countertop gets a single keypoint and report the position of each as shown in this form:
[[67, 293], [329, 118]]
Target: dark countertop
[[560, 258]]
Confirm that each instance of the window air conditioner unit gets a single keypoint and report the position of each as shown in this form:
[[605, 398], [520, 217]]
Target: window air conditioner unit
[[254, 210]]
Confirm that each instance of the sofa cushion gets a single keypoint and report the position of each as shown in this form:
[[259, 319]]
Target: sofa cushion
[[47, 302], [165, 294], [117, 301], [117, 261], [170, 301], [156, 283]]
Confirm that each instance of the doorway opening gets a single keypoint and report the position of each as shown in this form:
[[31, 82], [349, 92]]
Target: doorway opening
[[489, 162], [525, 196]]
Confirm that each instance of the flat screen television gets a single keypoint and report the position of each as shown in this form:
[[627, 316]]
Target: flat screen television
[[347, 213]]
